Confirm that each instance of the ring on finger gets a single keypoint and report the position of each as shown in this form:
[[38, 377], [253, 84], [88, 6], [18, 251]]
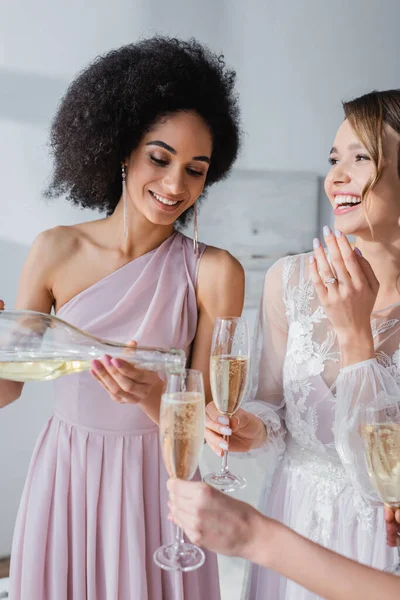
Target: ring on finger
[[330, 280]]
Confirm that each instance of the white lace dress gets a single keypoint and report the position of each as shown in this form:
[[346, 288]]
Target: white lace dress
[[304, 399]]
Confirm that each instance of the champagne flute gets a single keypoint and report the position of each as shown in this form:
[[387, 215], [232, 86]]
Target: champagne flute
[[229, 365], [182, 422], [381, 441]]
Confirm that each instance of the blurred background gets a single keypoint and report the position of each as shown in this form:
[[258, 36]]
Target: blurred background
[[295, 61]]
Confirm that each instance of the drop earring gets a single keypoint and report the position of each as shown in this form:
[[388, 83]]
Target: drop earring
[[195, 233], [125, 201]]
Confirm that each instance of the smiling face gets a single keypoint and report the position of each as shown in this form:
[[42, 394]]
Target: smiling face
[[352, 169], [166, 173]]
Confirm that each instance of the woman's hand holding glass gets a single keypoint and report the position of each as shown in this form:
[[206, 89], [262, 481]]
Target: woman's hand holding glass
[[229, 368], [245, 431], [392, 519], [181, 440]]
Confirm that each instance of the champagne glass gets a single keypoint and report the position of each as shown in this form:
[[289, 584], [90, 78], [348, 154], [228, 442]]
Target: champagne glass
[[381, 441], [229, 365], [182, 422]]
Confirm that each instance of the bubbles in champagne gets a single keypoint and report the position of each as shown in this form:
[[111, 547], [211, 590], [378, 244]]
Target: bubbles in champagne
[[182, 432], [228, 376], [382, 449]]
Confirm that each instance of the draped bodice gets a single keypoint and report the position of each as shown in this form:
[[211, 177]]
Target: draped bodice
[[152, 300]]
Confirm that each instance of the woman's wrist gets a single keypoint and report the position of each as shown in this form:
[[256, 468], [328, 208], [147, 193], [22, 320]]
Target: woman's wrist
[[257, 539], [152, 403], [263, 540], [356, 347], [260, 436]]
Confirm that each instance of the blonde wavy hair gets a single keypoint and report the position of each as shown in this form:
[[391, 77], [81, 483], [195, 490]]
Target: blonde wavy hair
[[367, 115]]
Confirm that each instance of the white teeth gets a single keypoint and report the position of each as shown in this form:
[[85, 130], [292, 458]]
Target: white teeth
[[339, 200], [164, 200]]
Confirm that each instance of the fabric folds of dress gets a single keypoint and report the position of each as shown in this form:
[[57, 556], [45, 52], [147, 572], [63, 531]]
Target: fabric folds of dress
[[94, 507]]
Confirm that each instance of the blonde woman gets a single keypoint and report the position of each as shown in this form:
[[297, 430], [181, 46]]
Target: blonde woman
[[324, 335]]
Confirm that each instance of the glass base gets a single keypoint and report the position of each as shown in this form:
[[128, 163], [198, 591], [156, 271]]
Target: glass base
[[225, 482], [185, 557], [394, 569]]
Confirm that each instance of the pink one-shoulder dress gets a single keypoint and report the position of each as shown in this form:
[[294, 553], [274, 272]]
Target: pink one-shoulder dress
[[94, 507]]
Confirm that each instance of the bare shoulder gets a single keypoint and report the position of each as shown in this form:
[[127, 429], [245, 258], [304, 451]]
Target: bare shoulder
[[59, 247], [55, 259], [53, 246], [49, 250], [216, 261], [220, 280]]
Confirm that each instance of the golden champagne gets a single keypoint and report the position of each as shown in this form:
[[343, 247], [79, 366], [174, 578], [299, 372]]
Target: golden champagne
[[182, 419], [228, 376], [382, 449], [41, 370]]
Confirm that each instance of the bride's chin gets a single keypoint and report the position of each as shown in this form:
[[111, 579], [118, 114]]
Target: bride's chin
[[349, 228]]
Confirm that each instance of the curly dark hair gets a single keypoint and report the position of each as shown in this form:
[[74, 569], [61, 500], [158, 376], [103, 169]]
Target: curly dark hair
[[116, 100]]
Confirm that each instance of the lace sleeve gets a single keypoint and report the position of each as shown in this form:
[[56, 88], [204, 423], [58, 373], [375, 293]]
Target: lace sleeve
[[359, 387], [265, 397]]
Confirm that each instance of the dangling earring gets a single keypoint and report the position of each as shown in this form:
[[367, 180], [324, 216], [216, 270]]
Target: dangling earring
[[125, 201], [195, 233]]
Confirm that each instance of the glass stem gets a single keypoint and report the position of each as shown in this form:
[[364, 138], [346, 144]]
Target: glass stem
[[224, 464], [179, 537]]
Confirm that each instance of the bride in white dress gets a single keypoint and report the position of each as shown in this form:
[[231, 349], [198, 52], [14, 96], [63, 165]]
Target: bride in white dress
[[326, 337]]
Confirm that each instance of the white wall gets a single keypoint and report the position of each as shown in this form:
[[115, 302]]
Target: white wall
[[295, 60]]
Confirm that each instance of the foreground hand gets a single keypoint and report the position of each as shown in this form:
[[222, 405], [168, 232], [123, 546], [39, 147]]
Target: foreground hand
[[126, 383], [212, 519], [349, 300], [392, 527], [245, 431]]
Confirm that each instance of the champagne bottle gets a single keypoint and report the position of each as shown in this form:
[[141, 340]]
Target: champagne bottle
[[38, 347]]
